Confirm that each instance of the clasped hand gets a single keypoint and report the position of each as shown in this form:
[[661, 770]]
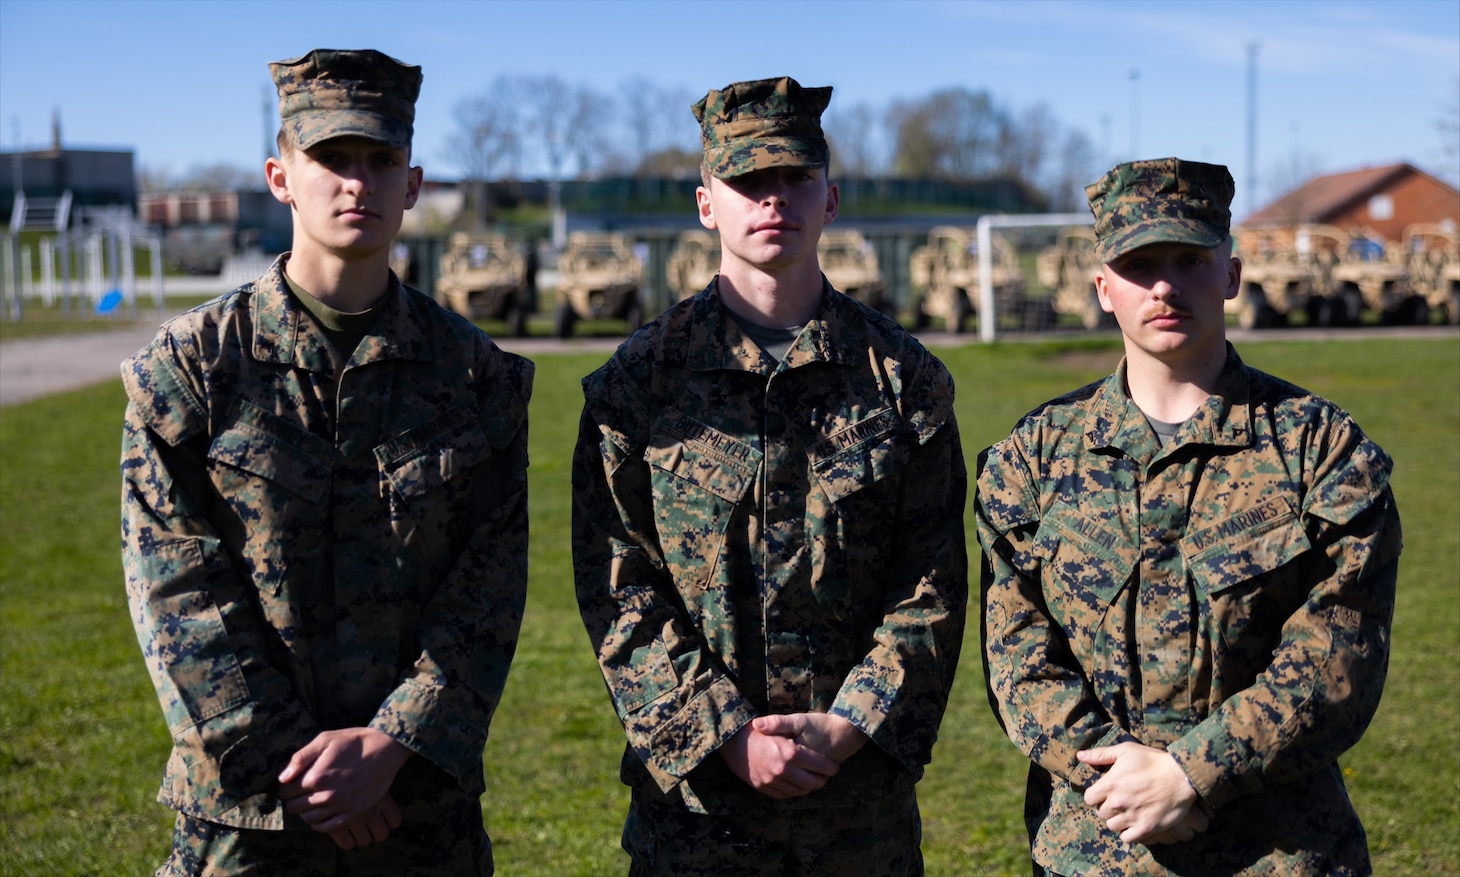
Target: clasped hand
[[787, 756], [1144, 795], [339, 784]]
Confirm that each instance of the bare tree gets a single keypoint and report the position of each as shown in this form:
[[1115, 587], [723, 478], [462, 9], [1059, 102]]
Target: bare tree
[[1447, 125], [1074, 167], [219, 178], [567, 122], [855, 134], [1286, 177], [1026, 143], [589, 125], [152, 179], [488, 140], [656, 124], [954, 134]]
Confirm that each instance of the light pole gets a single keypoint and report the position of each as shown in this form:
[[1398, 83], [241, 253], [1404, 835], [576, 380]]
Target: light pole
[[1135, 113], [1252, 49]]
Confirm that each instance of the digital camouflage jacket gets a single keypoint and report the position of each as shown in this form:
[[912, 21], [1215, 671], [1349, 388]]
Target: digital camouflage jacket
[[1227, 598], [753, 537], [295, 563]]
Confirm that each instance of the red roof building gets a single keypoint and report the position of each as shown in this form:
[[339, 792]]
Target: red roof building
[[1376, 202]]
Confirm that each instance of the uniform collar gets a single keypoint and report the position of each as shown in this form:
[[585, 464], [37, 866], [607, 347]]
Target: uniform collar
[[1223, 420], [718, 342], [283, 332]]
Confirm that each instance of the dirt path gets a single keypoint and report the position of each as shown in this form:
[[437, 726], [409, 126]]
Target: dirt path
[[34, 367]]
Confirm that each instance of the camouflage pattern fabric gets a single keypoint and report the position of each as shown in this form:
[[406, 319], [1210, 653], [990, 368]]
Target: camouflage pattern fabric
[[764, 123], [314, 545], [753, 537], [1163, 200], [343, 93], [1226, 598], [879, 838], [441, 833]]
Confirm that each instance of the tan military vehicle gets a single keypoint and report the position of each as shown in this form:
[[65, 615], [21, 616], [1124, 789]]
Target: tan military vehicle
[[1068, 267], [850, 265], [693, 264], [599, 279], [946, 270], [1277, 281], [1353, 273], [1432, 253], [485, 276]]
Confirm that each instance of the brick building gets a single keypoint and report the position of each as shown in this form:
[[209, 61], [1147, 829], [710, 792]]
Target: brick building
[[1375, 202]]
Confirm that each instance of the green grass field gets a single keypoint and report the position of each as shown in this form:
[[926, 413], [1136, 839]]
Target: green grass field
[[82, 742]]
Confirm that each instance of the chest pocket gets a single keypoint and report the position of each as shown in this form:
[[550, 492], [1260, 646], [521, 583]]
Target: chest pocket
[[435, 454], [857, 457], [257, 444], [1085, 563], [699, 476], [1242, 569]]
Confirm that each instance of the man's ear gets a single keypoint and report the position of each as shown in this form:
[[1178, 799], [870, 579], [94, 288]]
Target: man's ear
[[706, 207], [833, 203], [413, 186], [277, 176], [1101, 293], [1234, 277]]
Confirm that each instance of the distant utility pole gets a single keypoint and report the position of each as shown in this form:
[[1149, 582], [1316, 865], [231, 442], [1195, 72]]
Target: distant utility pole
[[1251, 199], [268, 120], [1135, 113]]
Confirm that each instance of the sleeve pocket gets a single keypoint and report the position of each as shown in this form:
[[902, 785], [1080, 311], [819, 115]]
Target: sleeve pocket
[[189, 644], [648, 676]]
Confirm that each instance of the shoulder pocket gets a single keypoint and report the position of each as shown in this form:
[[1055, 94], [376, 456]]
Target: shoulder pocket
[[269, 447], [436, 452], [860, 455]]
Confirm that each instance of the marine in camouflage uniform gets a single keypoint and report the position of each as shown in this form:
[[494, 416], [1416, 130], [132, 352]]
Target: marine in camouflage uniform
[[1222, 594], [758, 535], [324, 526]]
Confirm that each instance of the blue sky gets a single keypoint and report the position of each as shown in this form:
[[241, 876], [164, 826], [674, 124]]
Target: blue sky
[[1340, 85]]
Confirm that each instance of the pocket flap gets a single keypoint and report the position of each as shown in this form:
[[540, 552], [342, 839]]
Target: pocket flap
[[1243, 546], [261, 444]]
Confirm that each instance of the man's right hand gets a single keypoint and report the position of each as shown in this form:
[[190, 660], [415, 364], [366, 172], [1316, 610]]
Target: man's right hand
[[776, 765]]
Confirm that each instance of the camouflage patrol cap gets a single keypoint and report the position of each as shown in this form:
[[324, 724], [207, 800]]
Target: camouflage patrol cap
[[347, 93], [762, 123], [1163, 200]]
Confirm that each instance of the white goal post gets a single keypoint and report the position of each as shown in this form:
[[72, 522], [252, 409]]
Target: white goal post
[[986, 225]]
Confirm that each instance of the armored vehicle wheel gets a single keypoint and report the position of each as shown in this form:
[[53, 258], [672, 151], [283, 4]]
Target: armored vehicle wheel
[[1324, 312], [957, 312], [919, 317], [1416, 311], [563, 320], [517, 321], [634, 316]]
